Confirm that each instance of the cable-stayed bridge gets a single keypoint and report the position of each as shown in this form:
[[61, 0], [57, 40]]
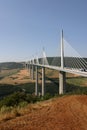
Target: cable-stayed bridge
[[68, 61]]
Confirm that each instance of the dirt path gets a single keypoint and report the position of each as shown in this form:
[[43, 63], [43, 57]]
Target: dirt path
[[65, 113]]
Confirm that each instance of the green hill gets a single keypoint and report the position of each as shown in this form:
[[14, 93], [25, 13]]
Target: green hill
[[11, 65]]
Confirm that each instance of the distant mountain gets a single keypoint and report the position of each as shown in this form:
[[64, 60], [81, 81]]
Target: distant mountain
[[11, 65]]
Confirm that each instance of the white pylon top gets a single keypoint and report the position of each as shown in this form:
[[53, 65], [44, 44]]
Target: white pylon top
[[62, 51], [45, 61]]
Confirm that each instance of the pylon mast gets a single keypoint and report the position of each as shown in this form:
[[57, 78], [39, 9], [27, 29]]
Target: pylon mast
[[62, 51]]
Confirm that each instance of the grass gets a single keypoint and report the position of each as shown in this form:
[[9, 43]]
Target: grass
[[16, 77], [79, 81], [11, 113], [8, 113], [6, 73], [18, 104]]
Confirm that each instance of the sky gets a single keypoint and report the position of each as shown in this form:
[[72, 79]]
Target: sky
[[28, 26]]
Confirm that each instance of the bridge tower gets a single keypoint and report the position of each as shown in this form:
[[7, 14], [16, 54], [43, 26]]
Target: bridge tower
[[62, 75]]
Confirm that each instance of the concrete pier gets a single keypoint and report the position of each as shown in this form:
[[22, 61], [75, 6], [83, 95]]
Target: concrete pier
[[43, 81], [36, 84], [62, 82], [62, 77], [32, 72]]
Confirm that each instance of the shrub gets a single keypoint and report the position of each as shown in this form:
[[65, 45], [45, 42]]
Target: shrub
[[18, 98], [47, 96], [13, 99], [31, 98]]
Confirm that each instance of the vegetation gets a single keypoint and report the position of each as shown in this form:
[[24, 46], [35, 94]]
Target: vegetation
[[22, 98], [22, 104], [68, 61], [6, 73], [73, 86], [77, 81], [17, 98], [8, 89], [11, 65]]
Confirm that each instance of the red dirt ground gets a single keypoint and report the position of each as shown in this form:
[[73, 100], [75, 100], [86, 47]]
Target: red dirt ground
[[64, 113]]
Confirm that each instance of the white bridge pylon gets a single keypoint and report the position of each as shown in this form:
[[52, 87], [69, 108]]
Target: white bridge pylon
[[44, 58]]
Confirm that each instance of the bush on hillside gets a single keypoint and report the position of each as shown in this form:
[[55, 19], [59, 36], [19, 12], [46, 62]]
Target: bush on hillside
[[46, 96], [11, 65], [17, 98]]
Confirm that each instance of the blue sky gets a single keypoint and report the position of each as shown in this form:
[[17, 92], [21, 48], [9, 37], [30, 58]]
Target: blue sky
[[26, 26]]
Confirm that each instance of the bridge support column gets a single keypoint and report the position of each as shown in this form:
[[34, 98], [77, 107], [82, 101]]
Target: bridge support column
[[36, 85], [25, 65], [28, 67], [62, 82], [32, 72], [43, 81]]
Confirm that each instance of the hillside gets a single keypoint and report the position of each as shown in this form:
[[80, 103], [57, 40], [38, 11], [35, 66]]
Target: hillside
[[18, 79], [61, 113], [11, 65], [64, 113], [13, 80]]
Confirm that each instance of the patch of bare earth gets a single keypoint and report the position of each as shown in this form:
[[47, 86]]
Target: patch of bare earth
[[19, 78], [65, 113]]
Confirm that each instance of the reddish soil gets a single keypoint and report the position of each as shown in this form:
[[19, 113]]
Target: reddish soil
[[64, 113]]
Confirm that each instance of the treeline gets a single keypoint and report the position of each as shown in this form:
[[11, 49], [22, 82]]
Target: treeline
[[71, 62], [11, 65]]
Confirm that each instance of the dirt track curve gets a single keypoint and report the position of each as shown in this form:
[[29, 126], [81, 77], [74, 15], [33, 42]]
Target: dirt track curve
[[64, 113]]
